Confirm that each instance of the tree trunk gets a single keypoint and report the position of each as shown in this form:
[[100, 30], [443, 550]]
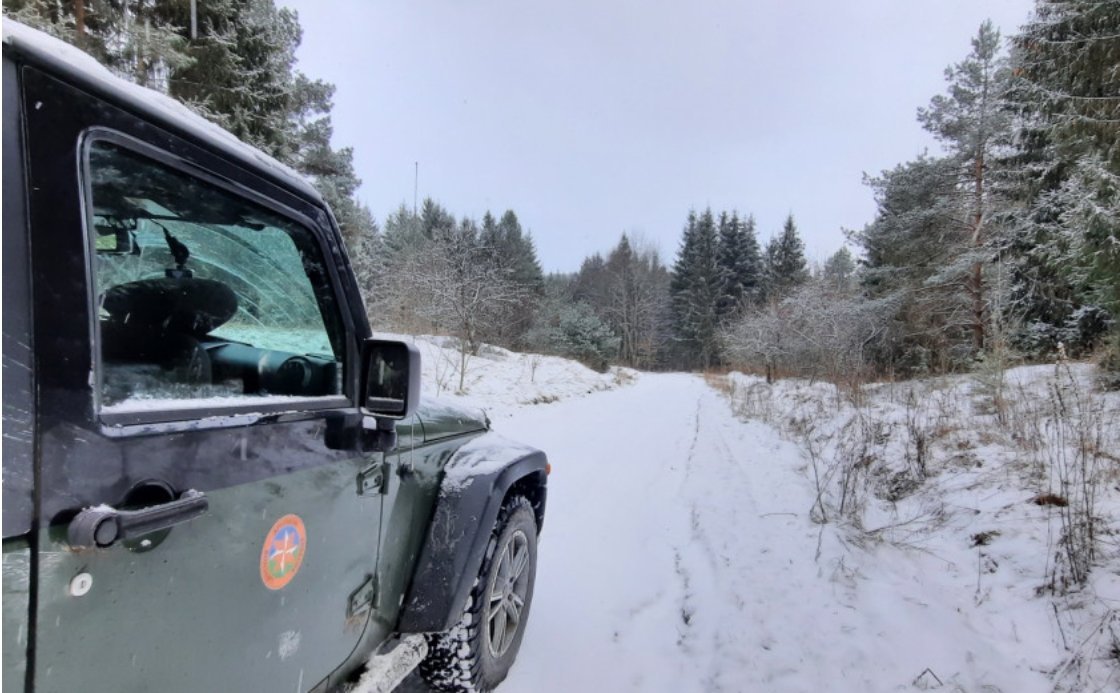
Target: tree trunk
[[462, 365], [80, 19], [976, 281]]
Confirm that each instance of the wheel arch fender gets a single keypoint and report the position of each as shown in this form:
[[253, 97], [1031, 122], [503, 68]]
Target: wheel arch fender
[[477, 481]]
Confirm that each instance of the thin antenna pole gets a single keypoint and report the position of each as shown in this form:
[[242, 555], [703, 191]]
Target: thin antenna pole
[[415, 188], [194, 20]]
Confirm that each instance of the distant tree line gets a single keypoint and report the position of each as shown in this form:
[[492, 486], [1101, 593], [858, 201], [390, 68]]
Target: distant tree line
[[1006, 243], [481, 282]]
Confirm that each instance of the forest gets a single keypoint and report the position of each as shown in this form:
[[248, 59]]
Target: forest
[[1002, 247]]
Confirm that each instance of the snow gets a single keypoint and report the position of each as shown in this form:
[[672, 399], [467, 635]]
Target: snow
[[503, 382], [483, 455], [136, 405], [388, 669], [681, 551]]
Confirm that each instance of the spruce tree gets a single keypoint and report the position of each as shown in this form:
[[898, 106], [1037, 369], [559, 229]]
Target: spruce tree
[[740, 264], [1067, 91], [786, 267], [512, 254], [591, 284], [515, 251], [695, 290], [750, 269], [435, 221], [730, 266]]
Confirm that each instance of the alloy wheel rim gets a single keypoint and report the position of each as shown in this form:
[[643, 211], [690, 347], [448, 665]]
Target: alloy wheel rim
[[505, 604]]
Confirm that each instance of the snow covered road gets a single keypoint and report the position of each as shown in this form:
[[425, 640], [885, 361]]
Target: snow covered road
[[676, 539], [663, 514], [678, 556]]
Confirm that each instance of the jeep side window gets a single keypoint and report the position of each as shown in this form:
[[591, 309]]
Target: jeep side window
[[203, 297]]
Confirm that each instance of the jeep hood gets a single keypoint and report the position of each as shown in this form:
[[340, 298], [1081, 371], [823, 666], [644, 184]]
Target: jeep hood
[[443, 419]]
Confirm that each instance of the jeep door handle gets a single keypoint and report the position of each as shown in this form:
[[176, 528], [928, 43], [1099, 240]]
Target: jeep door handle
[[102, 526]]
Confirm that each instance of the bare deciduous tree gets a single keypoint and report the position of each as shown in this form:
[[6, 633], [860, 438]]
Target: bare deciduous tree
[[446, 283], [813, 332]]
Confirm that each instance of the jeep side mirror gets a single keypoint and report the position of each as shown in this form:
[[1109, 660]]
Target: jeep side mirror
[[391, 381]]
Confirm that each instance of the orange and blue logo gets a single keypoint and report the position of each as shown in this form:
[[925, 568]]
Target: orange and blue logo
[[283, 552]]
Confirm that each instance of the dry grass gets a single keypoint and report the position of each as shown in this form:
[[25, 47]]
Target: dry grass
[[855, 449], [719, 381], [1049, 433]]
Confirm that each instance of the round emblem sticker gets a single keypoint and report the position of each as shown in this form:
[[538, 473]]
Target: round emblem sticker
[[283, 552]]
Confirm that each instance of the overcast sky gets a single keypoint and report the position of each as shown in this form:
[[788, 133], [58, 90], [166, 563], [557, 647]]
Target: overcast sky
[[594, 117]]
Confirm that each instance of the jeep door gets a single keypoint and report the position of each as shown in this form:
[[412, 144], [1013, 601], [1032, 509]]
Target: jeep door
[[197, 350]]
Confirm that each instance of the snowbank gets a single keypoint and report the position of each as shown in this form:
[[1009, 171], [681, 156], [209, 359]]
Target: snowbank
[[502, 381], [970, 492]]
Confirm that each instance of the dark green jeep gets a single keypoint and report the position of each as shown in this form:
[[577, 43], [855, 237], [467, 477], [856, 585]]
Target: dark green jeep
[[215, 479]]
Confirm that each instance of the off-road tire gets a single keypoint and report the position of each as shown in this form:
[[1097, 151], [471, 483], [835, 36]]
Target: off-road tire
[[464, 659]]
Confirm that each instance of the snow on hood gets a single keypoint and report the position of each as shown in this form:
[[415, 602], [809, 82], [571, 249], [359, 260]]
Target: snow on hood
[[432, 409]]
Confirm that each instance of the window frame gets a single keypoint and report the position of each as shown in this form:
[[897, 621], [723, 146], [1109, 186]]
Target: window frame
[[192, 414]]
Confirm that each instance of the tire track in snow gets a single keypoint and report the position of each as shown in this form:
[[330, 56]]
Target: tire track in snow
[[608, 594], [684, 575], [654, 573], [702, 565]]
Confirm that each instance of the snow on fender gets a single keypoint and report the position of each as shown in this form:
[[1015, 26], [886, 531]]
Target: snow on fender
[[485, 455]]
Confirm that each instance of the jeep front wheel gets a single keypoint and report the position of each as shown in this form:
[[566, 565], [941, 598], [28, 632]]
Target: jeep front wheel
[[476, 654]]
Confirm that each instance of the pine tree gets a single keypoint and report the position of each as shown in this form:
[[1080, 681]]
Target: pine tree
[[239, 71], [908, 253], [133, 39], [972, 121], [839, 271]]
